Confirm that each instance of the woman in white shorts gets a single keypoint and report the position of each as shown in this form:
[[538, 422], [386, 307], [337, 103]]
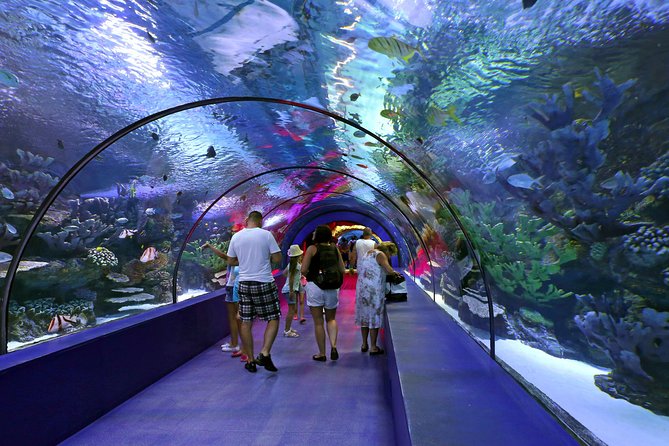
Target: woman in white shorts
[[319, 258]]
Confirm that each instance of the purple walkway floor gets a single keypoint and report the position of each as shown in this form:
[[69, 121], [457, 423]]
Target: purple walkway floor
[[212, 400]]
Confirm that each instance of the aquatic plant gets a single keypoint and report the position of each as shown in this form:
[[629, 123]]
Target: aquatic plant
[[102, 257], [559, 176], [519, 258], [534, 317], [206, 257]]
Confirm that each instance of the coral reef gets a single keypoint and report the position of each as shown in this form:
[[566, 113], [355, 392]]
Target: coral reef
[[656, 171], [26, 183], [648, 246], [77, 236], [30, 319], [636, 340], [559, 177], [102, 257]]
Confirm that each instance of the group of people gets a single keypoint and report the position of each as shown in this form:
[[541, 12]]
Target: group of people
[[317, 272]]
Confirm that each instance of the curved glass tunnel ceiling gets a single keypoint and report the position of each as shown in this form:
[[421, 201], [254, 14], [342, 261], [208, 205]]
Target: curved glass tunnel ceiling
[[177, 193], [544, 128]]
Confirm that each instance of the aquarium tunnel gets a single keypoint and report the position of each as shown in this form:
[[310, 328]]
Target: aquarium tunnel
[[515, 151]]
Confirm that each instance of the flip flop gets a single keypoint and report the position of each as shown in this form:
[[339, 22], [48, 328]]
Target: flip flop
[[364, 348], [378, 352]]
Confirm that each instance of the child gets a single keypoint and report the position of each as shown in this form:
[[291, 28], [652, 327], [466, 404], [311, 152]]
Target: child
[[292, 288]]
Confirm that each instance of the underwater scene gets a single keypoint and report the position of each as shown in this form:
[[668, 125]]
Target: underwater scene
[[516, 151]]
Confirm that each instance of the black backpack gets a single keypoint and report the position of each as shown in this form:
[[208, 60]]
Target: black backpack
[[329, 277]]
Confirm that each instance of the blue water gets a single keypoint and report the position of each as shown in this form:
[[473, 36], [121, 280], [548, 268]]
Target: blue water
[[577, 259]]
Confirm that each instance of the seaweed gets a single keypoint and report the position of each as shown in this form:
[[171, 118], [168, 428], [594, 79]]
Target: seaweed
[[521, 258]]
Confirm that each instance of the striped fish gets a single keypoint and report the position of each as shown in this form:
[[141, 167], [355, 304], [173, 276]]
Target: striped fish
[[392, 47]]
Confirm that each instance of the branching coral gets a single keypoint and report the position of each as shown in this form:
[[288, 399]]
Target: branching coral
[[558, 177], [629, 338], [77, 236], [27, 181], [206, 258]]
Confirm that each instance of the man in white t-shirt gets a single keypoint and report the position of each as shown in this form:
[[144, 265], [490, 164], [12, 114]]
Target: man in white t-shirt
[[254, 249], [362, 246]]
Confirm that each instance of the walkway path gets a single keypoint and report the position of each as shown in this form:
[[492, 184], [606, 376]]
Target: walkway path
[[212, 400]]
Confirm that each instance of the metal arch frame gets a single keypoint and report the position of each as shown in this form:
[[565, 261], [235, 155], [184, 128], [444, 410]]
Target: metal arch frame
[[335, 210], [347, 195], [281, 169], [79, 165]]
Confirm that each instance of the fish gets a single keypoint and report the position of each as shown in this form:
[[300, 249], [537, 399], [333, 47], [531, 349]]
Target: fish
[[196, 11], [356, 157], [60, 144], [420, 140], [11, 229], [122, 220], [8, 79], [364, 166], [176, 215], [211, 152], [5, 257], [528, 3], [59, 323], [373, 144], [148, 255], [392, 47], [151, 37], [359, 134], [354, 97], [127, 233], [155, 136], [165, 177], [7, 194], [150, 211], [71, 228], [389, 114], [521, 180], [438, 117]]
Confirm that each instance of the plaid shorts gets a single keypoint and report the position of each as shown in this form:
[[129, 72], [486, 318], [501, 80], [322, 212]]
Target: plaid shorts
[[259, 299]]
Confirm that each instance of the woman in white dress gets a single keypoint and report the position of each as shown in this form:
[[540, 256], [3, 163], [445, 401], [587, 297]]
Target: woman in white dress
[[373, 267]]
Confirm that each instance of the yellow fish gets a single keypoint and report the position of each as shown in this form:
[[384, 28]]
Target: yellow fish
[[438, 117], [392, 47], [389, 114]]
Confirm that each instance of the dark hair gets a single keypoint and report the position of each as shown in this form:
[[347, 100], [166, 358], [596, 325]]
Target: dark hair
[[322, 234], [255, 216]]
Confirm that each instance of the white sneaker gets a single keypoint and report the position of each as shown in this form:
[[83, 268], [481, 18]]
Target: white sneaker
[[294, 331], [291, 334], [229, 348], [227, 344]]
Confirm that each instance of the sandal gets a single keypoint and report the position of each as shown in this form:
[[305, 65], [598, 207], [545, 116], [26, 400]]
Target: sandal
[[334, 354], [364, 348], [319, 358], [379, 351]]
